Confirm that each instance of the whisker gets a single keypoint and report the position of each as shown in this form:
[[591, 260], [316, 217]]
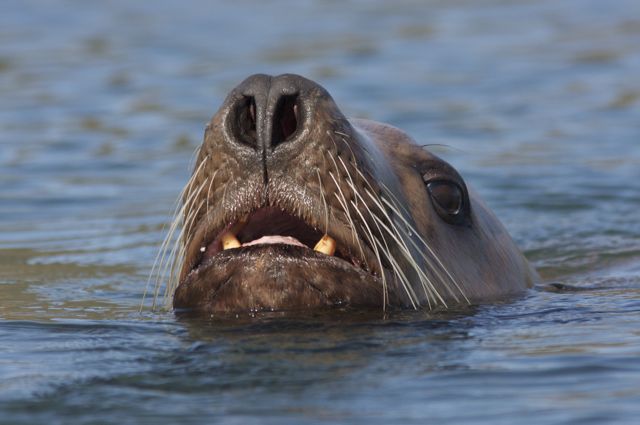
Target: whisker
[[163, 266], [174, 270], [213, 177], [346, 208], [386, 250], [426, 246], [426, 283], [389, 256], [175, 222], [324, 203]]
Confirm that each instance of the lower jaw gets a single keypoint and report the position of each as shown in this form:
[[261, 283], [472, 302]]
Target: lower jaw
[[276, 278]]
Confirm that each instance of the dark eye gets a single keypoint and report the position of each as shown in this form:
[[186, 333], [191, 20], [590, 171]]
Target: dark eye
[[448, 200]]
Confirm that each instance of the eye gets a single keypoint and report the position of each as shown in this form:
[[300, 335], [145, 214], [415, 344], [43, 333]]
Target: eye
[[448, 200]]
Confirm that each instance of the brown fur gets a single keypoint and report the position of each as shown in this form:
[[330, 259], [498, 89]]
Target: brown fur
[[326, 164]]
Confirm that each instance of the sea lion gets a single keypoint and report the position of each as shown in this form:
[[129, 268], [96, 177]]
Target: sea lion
[[293, 207]]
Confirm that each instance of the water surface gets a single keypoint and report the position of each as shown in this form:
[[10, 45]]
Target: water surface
[[102, 106]]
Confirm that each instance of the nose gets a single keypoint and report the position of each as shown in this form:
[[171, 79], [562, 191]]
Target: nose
[[266, 112]]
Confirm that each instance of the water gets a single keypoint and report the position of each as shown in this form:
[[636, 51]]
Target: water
[[102, 105]]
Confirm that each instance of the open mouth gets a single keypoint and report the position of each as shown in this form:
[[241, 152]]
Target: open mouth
[[274, 226], [273, 260]]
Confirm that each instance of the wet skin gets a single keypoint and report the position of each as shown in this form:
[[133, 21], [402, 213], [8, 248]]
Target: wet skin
[[293, 207]]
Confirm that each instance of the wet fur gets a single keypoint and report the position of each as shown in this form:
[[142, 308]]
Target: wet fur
[[359, 180]]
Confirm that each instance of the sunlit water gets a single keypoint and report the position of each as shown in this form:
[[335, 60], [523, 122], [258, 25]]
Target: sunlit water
[[103, 103]]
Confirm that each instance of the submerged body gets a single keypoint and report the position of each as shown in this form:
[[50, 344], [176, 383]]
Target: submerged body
[[292, 207]]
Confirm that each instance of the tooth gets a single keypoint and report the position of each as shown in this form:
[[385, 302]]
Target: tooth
[[326, 245], [203, 248], [229, 241]]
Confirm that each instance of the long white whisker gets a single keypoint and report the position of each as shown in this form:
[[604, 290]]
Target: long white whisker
[[175, 221], [343, 203], [389, 257], [427, 285], [395, 206], [356, 192], [346, 208], [164, 265], [212, 178], [324, 203], [429, 249], [176, 265], [386, 250], [380, 224]]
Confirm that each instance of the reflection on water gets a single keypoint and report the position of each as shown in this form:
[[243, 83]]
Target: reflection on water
[[101, 108]]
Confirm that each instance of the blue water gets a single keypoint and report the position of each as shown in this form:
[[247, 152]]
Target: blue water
[[102, 105]]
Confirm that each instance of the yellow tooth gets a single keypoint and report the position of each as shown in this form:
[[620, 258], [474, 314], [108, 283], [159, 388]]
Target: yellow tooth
[[326, 245], [229, 241]]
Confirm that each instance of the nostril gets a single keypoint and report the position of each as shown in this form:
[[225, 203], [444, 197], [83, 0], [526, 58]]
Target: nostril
[[285, 120], [244, 124]]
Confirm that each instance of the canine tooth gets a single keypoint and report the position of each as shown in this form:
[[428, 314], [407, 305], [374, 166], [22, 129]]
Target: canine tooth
[[326, 245], [229, 241]]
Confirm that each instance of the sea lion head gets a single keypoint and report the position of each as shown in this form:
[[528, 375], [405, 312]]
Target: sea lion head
[[291, 206]]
